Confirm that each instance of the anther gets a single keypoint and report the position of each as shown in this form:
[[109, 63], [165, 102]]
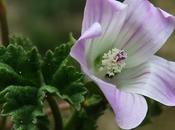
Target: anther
[[113, 62]]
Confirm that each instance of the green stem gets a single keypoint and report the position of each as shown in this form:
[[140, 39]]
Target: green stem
[[53, 105], [55, 111], [4, 24]]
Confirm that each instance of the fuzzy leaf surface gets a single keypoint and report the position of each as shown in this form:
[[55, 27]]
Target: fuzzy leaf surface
[[25, 63], [21, 103]]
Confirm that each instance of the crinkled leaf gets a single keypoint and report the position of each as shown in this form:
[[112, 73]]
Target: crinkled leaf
[[66, 76], [17, 97], [8, 76], [22, 64], [75, 94], [53, 60], [67, 79], [70, 85], [21, 103], [29, 118], [25, 63]]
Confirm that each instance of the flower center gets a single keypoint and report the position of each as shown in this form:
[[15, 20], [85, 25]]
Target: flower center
[[113, 62]]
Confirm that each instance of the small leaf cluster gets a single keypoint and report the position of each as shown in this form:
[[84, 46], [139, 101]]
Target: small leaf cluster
[[20, 63], [27, 78]]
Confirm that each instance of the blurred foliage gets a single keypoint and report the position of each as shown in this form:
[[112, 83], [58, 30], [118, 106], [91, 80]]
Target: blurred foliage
[[47, 22]]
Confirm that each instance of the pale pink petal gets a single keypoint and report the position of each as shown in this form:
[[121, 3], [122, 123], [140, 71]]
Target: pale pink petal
[[78, 50], [130, 109], [145, 30], [110, 15], [101, 11], [155, 79]]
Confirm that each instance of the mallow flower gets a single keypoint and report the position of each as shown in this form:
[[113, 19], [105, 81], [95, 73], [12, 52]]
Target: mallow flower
[[116, 50]]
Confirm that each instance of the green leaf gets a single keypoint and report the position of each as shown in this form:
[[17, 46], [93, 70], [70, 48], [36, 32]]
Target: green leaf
[[75, 94], [66, 76], [53, 60], [59, 72], [47, 89], [29, 118], [25, 63], [23, 91], [8, 76], [94, 107], [16, 97], [70, 85], [23, 119], [23, 105]]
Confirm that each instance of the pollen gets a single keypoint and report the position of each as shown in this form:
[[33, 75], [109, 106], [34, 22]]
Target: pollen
[[113, 62]]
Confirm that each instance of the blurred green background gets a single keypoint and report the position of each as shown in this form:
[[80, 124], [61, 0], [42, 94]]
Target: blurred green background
[[46, 22], [49, 22]]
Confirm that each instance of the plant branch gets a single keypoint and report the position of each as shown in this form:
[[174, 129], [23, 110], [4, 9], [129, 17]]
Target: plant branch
[[4, 24]]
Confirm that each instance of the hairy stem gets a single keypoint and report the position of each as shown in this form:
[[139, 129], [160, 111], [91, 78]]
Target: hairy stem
[[4, 24]]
